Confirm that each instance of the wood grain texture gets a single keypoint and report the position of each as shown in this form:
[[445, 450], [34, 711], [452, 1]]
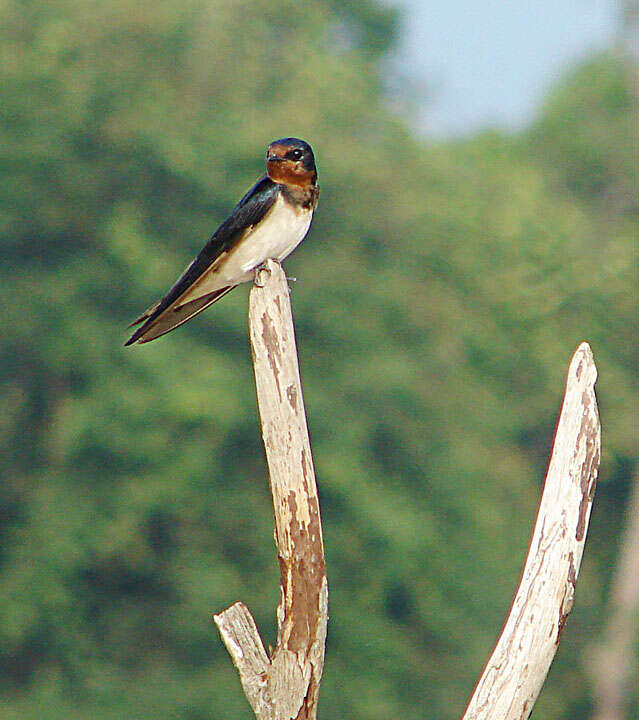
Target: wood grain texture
[[286, 686], [517, 668]]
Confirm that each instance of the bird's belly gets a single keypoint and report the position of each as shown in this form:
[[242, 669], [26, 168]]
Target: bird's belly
[[281, 231]]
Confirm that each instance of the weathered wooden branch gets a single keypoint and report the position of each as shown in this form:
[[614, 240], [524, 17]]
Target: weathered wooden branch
[[517, 668], [611, 664], [285, 686]]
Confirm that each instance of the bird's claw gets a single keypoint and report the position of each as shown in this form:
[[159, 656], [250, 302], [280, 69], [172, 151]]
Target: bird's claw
[[260, 280]]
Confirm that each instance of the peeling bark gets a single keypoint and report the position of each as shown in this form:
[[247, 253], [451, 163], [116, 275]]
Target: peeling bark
[[517, 668], [286, 686]]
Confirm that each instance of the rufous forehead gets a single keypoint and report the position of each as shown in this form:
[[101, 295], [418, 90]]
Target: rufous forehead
[[278, 149]]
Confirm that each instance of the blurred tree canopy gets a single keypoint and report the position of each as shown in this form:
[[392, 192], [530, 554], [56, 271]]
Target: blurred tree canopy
[[441, 293]]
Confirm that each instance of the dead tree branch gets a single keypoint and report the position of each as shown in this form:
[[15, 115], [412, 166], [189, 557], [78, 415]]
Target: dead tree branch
[[286, 686], [517, 668]]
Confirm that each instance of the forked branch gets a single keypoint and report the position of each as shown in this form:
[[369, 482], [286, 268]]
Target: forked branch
[[285, 686]]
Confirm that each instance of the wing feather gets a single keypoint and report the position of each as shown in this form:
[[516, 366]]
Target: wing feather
[[177, 316], [249, 211]]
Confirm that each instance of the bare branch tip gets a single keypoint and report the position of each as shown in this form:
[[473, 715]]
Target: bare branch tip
[[583, 361]]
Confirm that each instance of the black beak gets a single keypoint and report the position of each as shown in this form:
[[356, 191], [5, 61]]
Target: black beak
[[274, 158]]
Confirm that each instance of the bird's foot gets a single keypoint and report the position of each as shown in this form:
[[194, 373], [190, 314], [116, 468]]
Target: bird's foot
[[260, 277]]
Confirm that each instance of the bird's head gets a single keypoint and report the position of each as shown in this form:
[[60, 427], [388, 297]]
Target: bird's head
[[291, 161]]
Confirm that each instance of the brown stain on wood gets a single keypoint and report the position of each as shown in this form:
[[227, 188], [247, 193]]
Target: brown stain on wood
[[572, 572], [307, 569], [563, 617], [566, 605], [590, 466], [305, 469], [303, 572], [273, 351], [291, 394]]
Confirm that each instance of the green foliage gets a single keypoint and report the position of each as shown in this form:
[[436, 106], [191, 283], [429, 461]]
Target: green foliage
[[440, 295]]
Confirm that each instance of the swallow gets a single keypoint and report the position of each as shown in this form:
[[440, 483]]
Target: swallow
[[270, 221]]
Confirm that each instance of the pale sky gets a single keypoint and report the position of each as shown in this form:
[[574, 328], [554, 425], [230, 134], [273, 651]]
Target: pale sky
[[481, 63]]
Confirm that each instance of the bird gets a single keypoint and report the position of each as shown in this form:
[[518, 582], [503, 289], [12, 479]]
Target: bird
[[270, 221]]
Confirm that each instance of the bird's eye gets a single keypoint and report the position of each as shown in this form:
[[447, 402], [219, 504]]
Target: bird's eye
[[295, 154]]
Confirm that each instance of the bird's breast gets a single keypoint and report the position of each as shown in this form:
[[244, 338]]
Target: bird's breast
[[275, 236]]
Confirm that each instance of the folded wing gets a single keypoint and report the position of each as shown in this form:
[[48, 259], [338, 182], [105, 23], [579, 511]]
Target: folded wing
[[171, 312]]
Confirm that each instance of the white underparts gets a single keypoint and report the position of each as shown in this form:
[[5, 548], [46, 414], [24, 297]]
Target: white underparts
[[275, 236]]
